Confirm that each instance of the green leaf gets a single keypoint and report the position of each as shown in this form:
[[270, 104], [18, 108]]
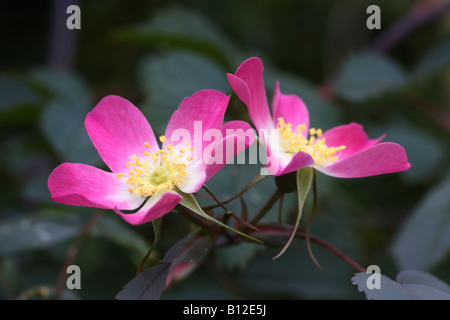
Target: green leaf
[[304, 180], [425, 152], [34, 232], [424, 238], [192, 248], [435, 60], [63, 85], [63, 125], [294, 276], [13, 93], [167, 80], [192, 204], [148, 285], [239, 256], [111, 227], [368, 75], [182, 28], [409, 285]]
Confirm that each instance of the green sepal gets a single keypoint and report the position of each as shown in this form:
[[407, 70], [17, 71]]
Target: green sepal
[[304, 180], [191, 203], [156, 235]]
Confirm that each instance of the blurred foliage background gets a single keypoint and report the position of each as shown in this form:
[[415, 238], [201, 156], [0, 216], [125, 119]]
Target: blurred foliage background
[[154, 53]]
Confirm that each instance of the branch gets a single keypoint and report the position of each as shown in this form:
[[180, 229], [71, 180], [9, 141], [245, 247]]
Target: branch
[[277, 230]]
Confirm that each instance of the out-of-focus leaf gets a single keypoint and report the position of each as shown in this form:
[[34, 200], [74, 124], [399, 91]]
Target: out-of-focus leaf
[[111, 227], [63, 85], [63, 118], [237, 257], [425, 153], [62, 121], [368, 75], [167, 80], [148, 285], [435, 60], [182, 28], [13, 93], [63, 125], [295, 276], [409, 285], [424, 237], [34, 232]]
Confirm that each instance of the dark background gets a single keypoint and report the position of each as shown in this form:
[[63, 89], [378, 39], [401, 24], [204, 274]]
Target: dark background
[[154, 53]]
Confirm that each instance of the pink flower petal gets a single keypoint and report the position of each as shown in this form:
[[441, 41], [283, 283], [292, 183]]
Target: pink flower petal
[[118, 130], [83, 185], [288, 163], [237, 136], [291, 108], [157, 205], [194, 179], [386, 157], [248, 84], [352, 136], [202, 111]]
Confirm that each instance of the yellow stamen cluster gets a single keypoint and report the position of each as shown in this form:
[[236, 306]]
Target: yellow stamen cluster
[[315, 145], [160, 170]]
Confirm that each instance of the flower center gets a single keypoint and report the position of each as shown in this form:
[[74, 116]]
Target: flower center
[[314, 146], [160, 170]]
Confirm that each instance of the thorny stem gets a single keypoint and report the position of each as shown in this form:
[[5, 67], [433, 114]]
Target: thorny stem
[[73, 250], [228, 212], [323, 243], [254, 181], [215, 198], [333, 250]]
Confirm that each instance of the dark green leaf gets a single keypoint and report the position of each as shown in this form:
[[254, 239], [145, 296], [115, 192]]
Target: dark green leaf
[[183, 28], [34, 232], [148, 285], [193, 248], [13, 93], [409, 285], [367, 75], [424, 237], [239, 256], [435, 60], [111, 227], [168, 79]]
